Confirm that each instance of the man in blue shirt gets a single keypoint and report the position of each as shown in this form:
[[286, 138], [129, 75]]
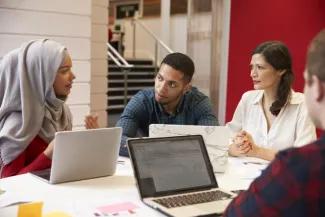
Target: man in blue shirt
[[172, 101]]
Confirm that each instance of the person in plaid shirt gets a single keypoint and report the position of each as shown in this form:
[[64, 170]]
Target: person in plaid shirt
[[294, 183]]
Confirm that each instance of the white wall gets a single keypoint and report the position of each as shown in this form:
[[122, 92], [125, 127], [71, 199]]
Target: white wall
[[178, 32], [199, 48], [145, 43], [73, 23], [98, 97]]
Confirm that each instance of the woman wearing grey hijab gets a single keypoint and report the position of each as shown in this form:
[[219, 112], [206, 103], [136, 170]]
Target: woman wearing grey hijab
[[35, 81]]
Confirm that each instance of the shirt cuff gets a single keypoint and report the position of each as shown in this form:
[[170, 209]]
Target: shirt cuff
[[40, 163]]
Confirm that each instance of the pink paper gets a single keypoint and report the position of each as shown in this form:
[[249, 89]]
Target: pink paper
[[117, 207]]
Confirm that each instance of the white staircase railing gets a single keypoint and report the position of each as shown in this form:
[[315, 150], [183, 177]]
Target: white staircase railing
[[124, 65], [158, 42]]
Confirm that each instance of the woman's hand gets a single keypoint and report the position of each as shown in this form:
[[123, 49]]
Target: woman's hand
[[244, 145], [241, 145], [49, 150], [91, 122], [254, 150], [259, 152]]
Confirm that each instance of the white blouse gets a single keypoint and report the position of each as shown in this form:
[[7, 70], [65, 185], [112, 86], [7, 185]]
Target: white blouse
[[291, 128]]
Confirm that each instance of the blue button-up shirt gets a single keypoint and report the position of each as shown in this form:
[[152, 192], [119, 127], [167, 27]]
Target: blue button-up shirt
[[194, 108]]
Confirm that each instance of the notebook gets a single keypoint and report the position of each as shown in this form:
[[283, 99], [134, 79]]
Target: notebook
[[83, 154], [174, 175]]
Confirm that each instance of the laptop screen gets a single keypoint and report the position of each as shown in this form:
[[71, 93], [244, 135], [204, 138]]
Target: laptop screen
[[171, 164]]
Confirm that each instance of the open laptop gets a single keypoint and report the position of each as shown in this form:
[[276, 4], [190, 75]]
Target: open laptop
[[216, 139], [174, 175], [212, 135], [83, 154]]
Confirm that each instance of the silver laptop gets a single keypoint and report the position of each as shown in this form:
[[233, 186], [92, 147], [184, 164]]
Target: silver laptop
[[174, 175], [216, 139], [83, 154], [212, 135]]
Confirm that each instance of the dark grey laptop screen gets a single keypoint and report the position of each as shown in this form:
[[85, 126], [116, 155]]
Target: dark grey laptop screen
[[171, 164]]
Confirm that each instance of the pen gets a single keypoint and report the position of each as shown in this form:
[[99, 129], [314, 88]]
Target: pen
[[120, 161], [257, 163]]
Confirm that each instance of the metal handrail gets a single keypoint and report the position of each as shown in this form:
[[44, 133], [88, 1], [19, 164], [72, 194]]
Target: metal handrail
[[123, 64], [114, 59], [117, 58], [135, 21]]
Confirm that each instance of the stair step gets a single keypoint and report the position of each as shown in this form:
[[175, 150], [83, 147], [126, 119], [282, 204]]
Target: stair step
[[122, 88], [140, 61], [118, 97], [135, 66], [153, 71], [131, 73], [131, 81], [144, 68], [135, 61], [115, 107], [141, 76]]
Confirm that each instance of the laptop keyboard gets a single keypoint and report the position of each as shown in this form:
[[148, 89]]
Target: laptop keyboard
[[190, 199]]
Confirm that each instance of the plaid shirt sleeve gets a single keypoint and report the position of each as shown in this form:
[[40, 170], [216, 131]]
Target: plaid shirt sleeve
[[292, 185], [204, 113], [130, 119]]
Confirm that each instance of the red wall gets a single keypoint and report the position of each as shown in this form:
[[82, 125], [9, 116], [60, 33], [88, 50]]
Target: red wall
[[294, 22]]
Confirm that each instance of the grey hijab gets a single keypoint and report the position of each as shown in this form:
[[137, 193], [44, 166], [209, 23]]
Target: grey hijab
[[28, 104]]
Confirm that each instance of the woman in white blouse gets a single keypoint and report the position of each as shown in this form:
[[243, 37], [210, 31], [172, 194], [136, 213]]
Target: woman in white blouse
[[272, 117]]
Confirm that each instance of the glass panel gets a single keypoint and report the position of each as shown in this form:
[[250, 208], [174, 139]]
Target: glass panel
[[199, 41]]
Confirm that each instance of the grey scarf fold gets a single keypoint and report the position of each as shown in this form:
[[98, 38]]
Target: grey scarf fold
[[28, 104]]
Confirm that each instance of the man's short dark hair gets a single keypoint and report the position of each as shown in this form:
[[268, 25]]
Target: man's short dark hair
[[180, 62], [316, 56]]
